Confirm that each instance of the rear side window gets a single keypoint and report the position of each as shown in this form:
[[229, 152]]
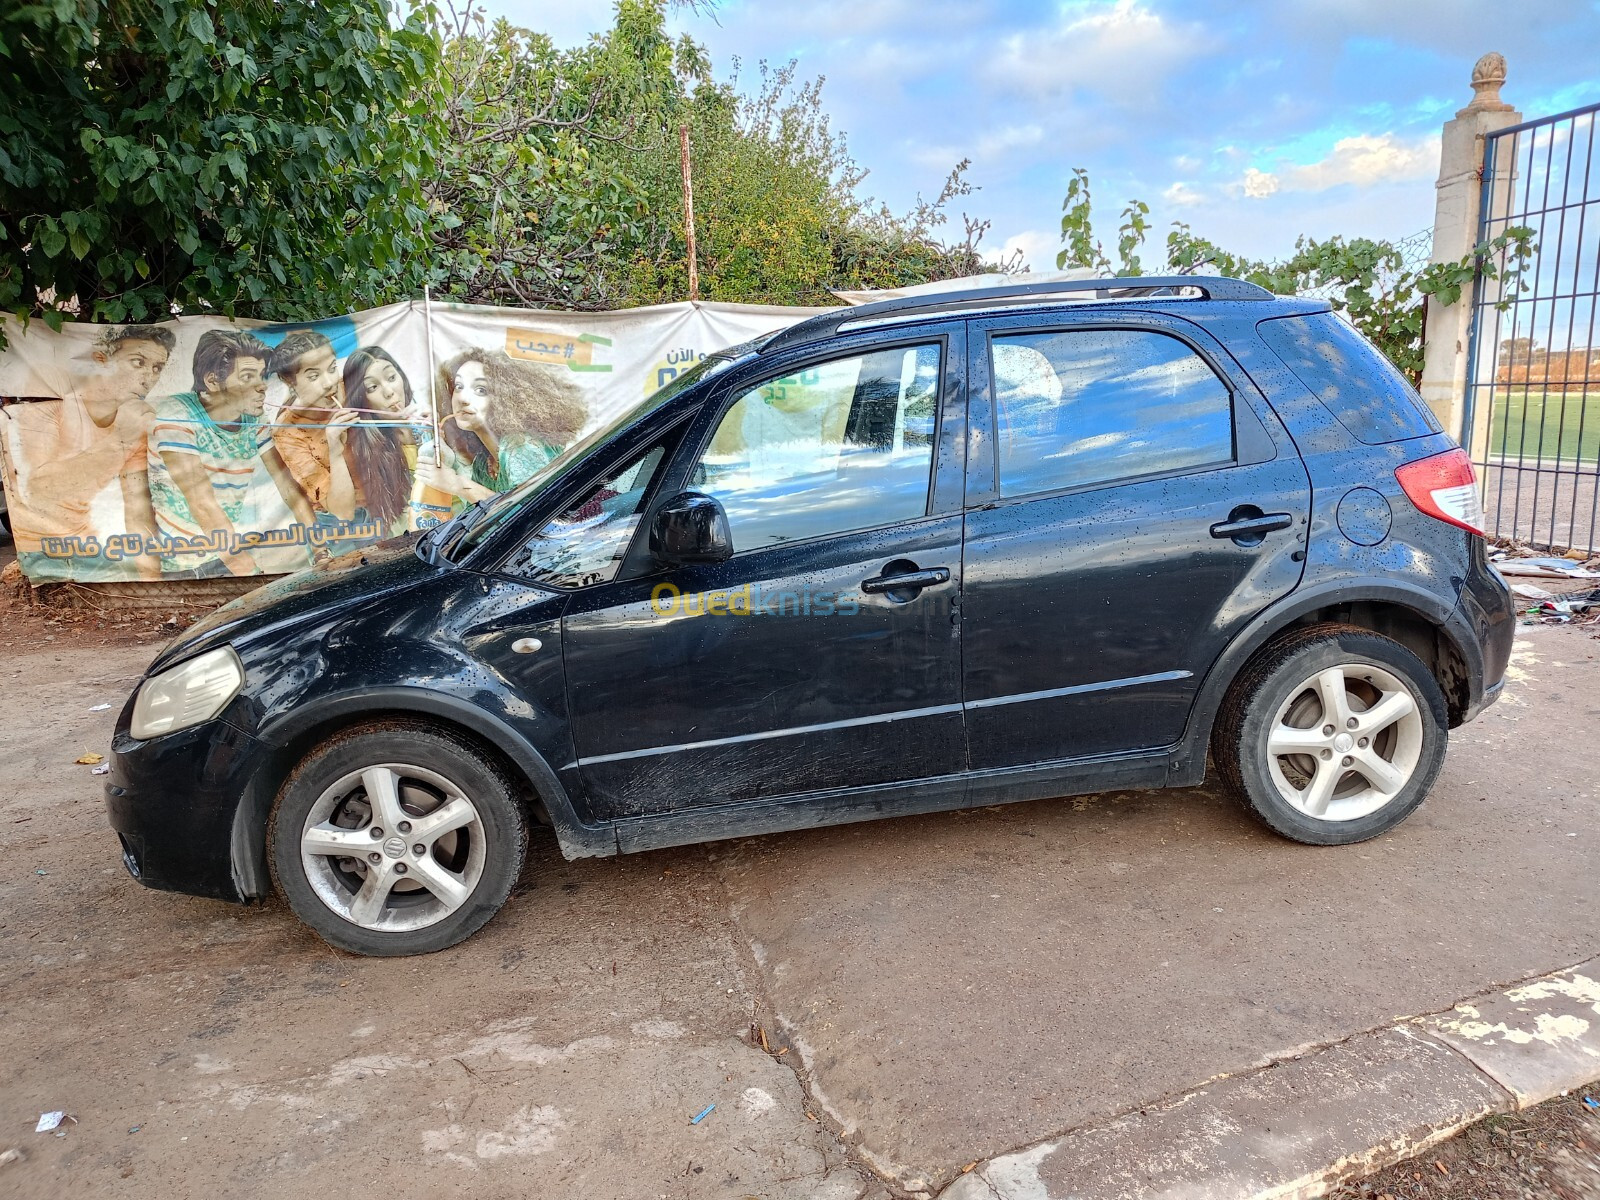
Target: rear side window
[[1081, 407], [1355, 382]]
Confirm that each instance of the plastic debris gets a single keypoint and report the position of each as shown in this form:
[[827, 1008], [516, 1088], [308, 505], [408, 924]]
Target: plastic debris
[[135, 1128], [89, 760], [100, 708], [1531, 591], [40, 871], [1547, 568], [1591, 1102], [49, 1121], [704, 1113], [10, 1156], [102, 769]]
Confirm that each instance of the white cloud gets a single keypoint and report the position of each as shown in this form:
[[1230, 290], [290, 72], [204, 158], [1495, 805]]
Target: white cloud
[[1123, 53], [934, 158], [1362, 161], [999, 142], [1038, 248], [1365, 160], [1258, 185], [1182, 195]]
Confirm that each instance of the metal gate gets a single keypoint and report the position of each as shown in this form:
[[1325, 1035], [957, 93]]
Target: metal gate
[[1533, 364]]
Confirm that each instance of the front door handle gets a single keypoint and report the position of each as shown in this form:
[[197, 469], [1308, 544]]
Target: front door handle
[[1248, 525], [912, 581]]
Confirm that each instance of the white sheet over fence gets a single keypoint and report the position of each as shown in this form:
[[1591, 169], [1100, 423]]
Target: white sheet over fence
[[200, 447]]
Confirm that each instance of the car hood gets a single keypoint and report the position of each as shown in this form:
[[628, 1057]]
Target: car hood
[[357, 576]]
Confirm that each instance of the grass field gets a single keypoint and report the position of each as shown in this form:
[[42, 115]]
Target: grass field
[[1569, 423]]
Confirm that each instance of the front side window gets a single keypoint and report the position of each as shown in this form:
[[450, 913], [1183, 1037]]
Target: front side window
[[1087, 406], [840, 446], [585, 544]]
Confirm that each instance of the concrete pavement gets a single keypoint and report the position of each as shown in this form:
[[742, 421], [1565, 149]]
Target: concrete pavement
[[948, 990]]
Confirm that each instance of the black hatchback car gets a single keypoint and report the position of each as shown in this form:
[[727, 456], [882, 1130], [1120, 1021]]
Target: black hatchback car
[[923, 554]]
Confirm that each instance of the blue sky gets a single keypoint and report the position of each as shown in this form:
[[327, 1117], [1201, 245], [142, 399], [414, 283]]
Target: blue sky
[[1253, 122]]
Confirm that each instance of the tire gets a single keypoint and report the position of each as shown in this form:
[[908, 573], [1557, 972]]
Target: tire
[[1274, 751], [439, 793]]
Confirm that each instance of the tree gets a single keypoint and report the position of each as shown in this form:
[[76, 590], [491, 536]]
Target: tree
[[561, 180], [289, 159], [780, 217], [1367, 279], [538, 200], [251, 158]]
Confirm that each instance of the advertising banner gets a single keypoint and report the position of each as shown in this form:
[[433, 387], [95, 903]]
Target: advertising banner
[[199, 447]]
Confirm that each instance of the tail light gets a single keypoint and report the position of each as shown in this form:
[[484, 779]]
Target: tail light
[[1446, 487]]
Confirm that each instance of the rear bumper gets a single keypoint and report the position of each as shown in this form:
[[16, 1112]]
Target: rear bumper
[[1484, 625], [172, 801], [1490, 695]]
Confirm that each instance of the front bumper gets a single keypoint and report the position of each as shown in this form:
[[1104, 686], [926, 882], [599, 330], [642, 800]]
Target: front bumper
[[173, 801]]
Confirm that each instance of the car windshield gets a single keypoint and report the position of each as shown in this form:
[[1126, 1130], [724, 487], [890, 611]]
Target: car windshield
[[478, 523]]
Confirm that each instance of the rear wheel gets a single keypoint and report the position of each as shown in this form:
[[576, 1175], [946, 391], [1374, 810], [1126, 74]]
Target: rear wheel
[[396, 839], [1332, 735]]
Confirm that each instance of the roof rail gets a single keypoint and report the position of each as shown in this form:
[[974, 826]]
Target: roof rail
[[1138, 287]]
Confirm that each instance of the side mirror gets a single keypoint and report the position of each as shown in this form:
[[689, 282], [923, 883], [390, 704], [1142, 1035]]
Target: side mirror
[[691, 528]]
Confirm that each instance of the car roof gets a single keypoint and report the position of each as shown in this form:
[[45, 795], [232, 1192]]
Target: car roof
[[1184, 289]]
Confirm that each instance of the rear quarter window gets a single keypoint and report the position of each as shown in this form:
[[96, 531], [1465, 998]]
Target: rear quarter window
[[1354, 381]]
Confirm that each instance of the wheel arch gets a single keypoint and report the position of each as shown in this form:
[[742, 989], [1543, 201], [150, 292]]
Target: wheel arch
[[1415, 618], [293, 734]]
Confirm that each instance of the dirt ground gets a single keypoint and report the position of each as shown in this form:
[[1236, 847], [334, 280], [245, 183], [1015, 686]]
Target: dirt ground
[[932, 990], [1551, 1152]]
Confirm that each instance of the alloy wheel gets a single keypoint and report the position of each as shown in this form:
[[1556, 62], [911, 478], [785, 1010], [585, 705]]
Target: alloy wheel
[[1346, 742], [393, 847]]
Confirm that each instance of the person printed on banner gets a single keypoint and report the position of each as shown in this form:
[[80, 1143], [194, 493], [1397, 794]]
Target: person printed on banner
[[383, 449], [507, 419], [81, 470], [215, 474], [312, 433]]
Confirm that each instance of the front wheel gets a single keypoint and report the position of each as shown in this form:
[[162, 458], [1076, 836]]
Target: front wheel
[[1332, 735], [396, 839]]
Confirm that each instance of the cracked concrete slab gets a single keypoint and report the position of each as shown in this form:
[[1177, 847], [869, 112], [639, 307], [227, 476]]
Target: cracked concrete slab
[[209, 1050], [1538, 1039], [1282, 1132], [963, 984]]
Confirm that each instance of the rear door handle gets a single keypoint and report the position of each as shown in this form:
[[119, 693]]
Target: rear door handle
[[913, 581], [1247, 525]]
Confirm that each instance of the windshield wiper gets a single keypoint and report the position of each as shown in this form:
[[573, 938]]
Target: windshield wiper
[[461, 525]]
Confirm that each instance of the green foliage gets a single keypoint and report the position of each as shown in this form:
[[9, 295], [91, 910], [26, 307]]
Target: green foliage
[[290, 159], [1368, 280], [238, 156], [1081, 249], [778, 215], [536, 199], [561, 179]]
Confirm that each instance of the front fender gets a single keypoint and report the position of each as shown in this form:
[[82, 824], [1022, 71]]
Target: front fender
[[577, 839]]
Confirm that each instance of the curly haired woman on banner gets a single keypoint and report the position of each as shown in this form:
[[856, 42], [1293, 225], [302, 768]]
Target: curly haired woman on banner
[[507, 419]]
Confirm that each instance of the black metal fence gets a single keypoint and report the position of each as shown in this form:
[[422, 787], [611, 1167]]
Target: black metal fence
[[1533, 364]]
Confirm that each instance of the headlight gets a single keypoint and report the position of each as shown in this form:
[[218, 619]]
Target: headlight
[[188, 694]]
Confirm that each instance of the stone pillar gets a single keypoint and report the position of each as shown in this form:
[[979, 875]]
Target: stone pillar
[[1455, 233]]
